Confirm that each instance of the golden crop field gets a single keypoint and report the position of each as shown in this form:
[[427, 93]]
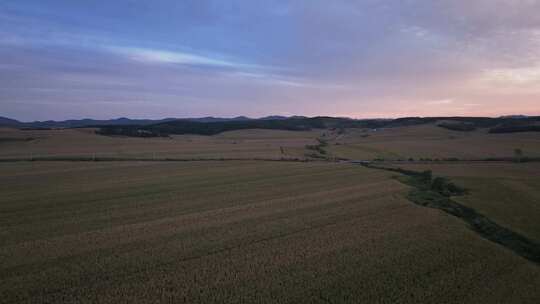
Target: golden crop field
[[430, 141], [85, 143], [508, 193], [238, 232]]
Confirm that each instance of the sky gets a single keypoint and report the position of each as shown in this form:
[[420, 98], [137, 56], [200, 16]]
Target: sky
[[66, 59]]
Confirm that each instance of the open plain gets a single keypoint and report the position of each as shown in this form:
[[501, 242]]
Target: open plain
[[428, 141], [84, 143], [238, 231], [277, 227]]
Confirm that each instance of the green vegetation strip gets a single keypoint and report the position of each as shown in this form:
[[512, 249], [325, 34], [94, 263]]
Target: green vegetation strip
[[319, 151], [437, 192]]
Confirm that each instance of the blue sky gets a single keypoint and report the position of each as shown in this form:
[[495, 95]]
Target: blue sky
[[165, 58]]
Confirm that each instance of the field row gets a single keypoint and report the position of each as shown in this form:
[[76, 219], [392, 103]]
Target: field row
[[238, 232]]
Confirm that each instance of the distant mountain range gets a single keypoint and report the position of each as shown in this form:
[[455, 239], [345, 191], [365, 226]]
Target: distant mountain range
[[215, 125], [79, 123], [74, 123]]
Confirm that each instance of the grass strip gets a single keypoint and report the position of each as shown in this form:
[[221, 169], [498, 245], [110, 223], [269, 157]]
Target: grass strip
[[437, 193]]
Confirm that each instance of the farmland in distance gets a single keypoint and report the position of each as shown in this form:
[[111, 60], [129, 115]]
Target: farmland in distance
[[429, 141], [84, 143], [426, 141]]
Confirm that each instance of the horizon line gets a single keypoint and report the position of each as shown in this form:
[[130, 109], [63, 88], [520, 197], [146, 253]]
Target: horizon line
[[271, 115]]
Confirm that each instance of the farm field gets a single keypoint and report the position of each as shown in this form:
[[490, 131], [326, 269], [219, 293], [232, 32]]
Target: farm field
[[85, 143], [269, 152], [430, 141], [508, 193], [417, 142], [238, 232]]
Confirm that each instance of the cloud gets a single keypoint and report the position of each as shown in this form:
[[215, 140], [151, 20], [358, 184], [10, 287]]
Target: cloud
[[514, 76], [283, 80], [170, 57], [440, 102]]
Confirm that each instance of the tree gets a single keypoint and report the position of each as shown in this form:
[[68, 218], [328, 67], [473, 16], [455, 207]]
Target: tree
[[426, 176], [518, 155]]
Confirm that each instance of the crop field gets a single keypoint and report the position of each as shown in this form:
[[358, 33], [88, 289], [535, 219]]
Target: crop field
[[430, 141], [85, 143], [269, 152], [508, 193], [238, 232], [416, 142]]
